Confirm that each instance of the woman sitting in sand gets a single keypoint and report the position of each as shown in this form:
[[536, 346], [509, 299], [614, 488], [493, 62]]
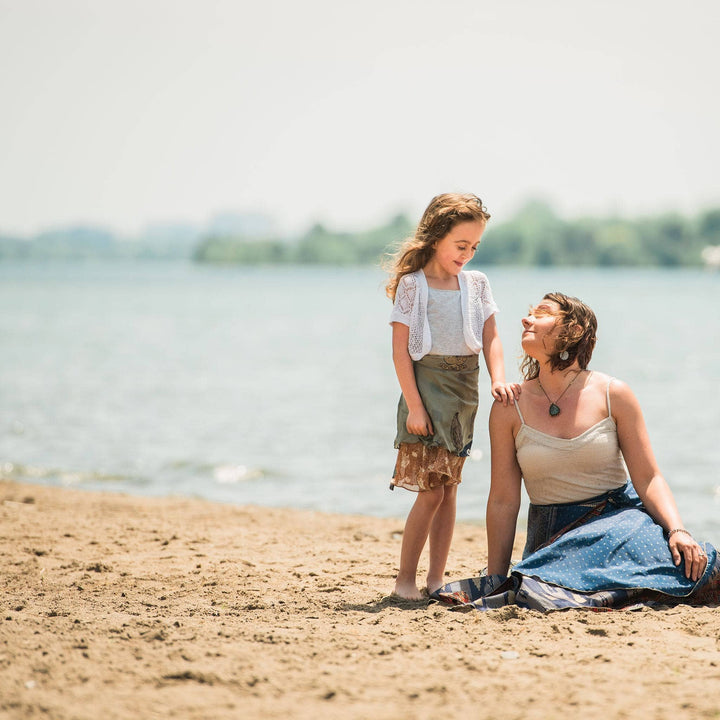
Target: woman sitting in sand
[[593, 538]]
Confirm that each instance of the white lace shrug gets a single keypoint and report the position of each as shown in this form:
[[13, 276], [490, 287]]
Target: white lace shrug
[[410, 309]]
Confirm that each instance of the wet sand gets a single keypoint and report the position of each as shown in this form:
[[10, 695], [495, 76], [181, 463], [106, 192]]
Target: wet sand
[[129, 607]]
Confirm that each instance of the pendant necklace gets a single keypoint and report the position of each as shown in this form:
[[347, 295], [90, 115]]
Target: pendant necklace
[[554, 410]]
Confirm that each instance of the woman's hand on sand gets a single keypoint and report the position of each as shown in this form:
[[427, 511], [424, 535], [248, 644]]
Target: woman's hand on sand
[[683, 547], [418, 423], [505, 392]]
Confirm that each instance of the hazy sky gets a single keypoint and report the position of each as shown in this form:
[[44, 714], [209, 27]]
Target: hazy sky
[[124, 112]]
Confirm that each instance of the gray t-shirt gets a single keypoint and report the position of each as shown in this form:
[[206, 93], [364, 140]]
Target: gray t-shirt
[[444, 314]]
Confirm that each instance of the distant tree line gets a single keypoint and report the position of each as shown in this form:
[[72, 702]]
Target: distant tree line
[[73, 243], [97, 243], [536, 235], [319, 245]]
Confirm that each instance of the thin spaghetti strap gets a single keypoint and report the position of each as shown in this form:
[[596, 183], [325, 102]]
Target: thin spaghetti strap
[[517, 407], [607, 392]]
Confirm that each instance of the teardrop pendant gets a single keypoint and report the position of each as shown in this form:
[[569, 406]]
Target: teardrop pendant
[[554, 410]]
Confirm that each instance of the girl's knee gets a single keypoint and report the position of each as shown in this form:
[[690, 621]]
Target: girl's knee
[[449, 493], [434, 496]]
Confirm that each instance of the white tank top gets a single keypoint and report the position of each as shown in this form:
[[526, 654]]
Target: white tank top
[[560, 470]]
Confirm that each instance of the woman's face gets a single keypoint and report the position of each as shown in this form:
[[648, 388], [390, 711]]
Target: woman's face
[[541, 329]]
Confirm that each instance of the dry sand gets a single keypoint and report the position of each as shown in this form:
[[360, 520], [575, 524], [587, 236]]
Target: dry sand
[[125, 607]]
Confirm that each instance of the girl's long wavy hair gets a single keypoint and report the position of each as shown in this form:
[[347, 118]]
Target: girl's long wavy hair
[[442, 214], [578, 335]]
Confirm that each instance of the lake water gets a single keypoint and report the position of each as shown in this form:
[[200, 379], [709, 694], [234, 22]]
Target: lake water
[[275, 386]]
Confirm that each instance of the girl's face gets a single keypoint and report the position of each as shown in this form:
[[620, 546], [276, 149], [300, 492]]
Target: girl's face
[[457, 248], [541, 329]]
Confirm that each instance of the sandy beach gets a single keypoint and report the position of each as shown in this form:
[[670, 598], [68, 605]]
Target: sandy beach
[[129, 607]]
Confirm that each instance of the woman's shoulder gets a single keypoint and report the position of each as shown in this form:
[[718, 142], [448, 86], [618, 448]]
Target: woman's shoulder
[[621, 395], [601, 379], [608, 382], [504, 416]]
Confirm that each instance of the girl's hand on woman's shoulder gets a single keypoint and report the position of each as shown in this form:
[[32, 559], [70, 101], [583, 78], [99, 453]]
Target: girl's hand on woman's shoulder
[[504, 392]]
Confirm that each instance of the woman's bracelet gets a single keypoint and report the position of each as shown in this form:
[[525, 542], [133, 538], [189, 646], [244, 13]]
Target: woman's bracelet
[[677, 530]]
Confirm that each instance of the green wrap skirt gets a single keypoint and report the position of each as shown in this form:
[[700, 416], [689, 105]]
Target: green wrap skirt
[[448, 386]]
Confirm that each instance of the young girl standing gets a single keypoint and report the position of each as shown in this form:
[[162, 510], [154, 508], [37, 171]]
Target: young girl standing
[[442, 318]]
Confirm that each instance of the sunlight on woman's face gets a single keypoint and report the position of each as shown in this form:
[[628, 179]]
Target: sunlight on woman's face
[[540, 326], [544, 309]]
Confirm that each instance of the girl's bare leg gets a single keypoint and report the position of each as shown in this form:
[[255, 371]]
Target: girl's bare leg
[[441, 534], [417, 528]]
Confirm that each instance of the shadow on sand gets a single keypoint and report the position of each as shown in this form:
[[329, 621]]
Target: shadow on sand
[[389, 601]]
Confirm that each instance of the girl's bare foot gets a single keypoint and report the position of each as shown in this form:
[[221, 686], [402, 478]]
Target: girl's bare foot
[[408, 591], [434, 585]]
